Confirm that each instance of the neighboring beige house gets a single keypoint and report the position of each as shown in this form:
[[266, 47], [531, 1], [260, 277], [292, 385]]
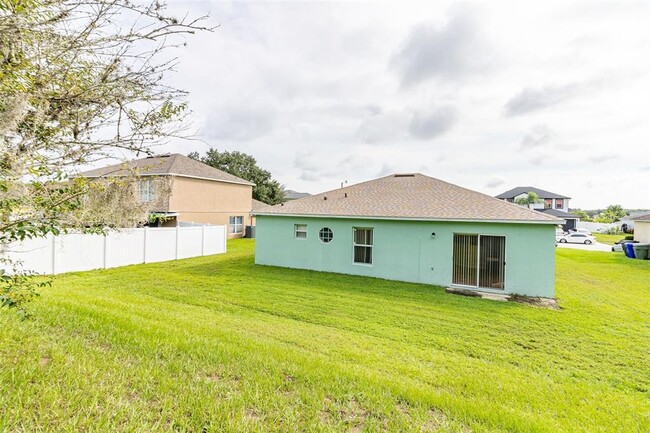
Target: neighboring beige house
[[642, 229], [197, 194]]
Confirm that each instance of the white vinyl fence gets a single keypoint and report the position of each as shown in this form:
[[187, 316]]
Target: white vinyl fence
[[82, 252], [597, 227]]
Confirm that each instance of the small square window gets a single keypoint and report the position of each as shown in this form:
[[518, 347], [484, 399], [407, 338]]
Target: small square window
[[236, 225], [559, 203], [300, 231]]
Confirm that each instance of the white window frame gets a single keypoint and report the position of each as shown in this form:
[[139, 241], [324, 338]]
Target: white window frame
[[146, 190], [371, 246], [330, 239], [478, 258], [296, 230], [233, 225]]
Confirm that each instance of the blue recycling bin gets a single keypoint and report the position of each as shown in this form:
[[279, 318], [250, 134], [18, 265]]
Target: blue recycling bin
[[629, 250]]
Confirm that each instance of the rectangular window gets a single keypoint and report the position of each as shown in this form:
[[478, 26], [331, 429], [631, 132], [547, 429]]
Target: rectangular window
[[362, 244], [548, 203], [146, 190], [300, 230], [559, 203], [236, 225]]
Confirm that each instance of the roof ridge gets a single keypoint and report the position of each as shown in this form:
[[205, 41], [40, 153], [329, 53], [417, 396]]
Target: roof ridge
[[418, 196]]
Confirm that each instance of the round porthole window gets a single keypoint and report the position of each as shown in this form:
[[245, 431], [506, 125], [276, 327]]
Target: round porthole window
[[326, 235]]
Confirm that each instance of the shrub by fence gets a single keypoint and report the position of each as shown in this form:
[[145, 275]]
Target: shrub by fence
[[82, 252]]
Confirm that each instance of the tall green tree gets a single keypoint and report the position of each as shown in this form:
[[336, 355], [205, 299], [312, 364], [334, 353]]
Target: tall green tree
[[79, 81], [266, 189], [584, 216], [612, 213], [530, 199]]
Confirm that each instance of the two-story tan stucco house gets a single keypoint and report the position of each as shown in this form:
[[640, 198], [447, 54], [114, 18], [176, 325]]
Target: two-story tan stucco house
[[195, 193]]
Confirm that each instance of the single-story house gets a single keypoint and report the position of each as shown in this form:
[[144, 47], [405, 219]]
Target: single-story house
[[198, 192], [551, 203], [411, 227], [628, 222], [642, 228]]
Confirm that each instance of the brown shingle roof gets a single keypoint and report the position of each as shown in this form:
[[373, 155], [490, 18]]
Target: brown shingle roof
[[257, 205], [174, 164], [412, 196]]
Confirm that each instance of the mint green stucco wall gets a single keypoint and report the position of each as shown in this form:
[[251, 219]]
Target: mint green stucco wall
[[406, 251]]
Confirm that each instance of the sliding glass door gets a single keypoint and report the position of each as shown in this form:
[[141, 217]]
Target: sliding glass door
[[479, 261]]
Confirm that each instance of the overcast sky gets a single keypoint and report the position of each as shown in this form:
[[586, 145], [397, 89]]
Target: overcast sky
[[486, 96]]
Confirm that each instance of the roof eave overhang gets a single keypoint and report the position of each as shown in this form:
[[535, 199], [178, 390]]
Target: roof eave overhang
[[164, 174], [468, 220]]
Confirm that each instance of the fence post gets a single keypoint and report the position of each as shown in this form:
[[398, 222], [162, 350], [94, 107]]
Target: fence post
[[144, 246], [105, 249], [53, 253], [202, 240], [176, 252]]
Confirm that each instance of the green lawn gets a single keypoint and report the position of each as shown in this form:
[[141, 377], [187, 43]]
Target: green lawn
[[609, 239], [219, 344]]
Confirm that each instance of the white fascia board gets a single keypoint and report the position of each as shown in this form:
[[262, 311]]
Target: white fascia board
[[554, 222]]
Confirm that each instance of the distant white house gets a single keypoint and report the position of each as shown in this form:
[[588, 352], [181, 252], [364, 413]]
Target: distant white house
[[642, 228], [551, 203], [631, 219]]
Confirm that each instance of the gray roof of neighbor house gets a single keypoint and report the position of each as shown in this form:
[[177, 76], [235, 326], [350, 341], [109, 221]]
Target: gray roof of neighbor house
[[642, 217], [409, 196], [514, 192], [558, 213], [290, 194], [257, 205], [172, 164]]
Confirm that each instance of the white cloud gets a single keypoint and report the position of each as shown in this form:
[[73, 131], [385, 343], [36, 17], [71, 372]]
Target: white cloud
[[358, 89], [446, 52], [432, 123]]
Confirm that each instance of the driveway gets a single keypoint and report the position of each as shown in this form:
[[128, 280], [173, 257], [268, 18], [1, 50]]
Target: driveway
[[596, 246]]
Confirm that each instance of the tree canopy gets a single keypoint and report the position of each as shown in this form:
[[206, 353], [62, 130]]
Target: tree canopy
[[530, 199], [612, 213], [80, 80], [584, 216], [240, 164]]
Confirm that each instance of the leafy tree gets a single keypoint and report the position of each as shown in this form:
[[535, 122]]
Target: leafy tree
[[612, 213], [79, 80], [584, 216], [240, 164], [530, 199]]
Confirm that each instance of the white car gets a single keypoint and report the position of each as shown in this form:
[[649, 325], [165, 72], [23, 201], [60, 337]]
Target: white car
[[618, 246], [581, 230], [576, 238]]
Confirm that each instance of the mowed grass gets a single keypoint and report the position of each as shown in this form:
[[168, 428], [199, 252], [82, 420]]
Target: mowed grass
[[219, 344], [609, 239]]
